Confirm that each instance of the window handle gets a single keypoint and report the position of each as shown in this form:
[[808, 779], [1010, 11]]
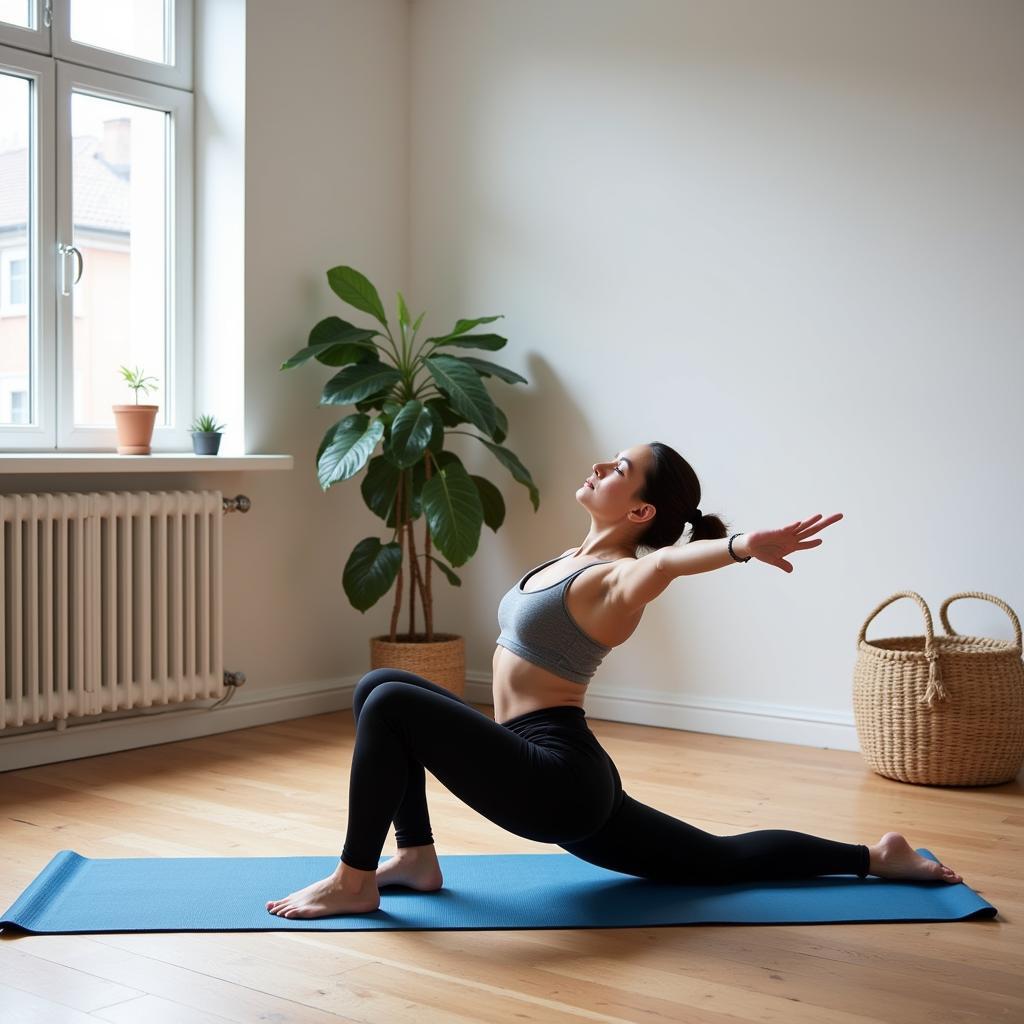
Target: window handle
[[48, 13], [65, 251]]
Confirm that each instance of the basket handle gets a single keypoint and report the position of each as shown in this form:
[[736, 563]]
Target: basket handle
[[983, 597], [935, 690]]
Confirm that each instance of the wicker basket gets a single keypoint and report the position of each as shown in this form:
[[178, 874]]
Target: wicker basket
[[442, 661], [941, 710]]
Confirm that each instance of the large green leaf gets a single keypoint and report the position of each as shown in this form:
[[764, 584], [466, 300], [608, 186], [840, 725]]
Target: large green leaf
[[388, 408], [340, 355], [489, 369], [359, 381], [370, 571], [454, 514], [419, 477], [519, 472], [346, 447], [419, 474], [491, 342], [352, 287], [462, 326], [452, 578], [491, 501], [403, 311], [379, 486], [464, 388], [437, 430], [441, 405], [335, 342], [501, 427], [410, 434]]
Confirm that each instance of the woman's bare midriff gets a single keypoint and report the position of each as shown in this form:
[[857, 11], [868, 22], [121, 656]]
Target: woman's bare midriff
[[519, 686]]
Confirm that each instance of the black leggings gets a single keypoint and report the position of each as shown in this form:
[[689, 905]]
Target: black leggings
[[543, 776]]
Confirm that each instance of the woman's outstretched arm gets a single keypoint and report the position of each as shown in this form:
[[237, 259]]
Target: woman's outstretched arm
[[635, 584]]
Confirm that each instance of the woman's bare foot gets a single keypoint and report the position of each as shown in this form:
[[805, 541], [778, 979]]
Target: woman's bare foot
[[414, 866], [346, 891], [893, 857]]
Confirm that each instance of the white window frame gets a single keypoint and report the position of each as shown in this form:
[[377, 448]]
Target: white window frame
[[176, 375], [36, 38], [177, 73], [26, 52], [42, 282]]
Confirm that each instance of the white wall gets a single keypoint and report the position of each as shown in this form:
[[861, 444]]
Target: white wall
[[785, 239], [326, 169]]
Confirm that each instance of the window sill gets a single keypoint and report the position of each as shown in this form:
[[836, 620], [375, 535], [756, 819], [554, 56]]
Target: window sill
[[158, 462]]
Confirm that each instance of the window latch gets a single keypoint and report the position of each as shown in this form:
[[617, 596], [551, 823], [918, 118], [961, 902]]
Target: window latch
[[66, 251]]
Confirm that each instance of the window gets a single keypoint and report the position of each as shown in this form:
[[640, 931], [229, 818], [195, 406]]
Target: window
[[95, 218], [13, 281]]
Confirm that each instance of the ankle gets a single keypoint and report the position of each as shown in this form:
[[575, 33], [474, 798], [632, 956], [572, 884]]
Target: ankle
[[353, 880], [876, 858], [427, 850]]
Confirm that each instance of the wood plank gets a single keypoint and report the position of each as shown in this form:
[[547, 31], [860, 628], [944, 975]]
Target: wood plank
[[66, 986], [282, 789]]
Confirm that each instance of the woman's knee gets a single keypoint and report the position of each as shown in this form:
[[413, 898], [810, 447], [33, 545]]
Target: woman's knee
[[385, 692], [367, 685]]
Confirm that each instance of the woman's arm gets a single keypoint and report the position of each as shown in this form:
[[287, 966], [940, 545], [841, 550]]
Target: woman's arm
[[701, 556], [633, 584]]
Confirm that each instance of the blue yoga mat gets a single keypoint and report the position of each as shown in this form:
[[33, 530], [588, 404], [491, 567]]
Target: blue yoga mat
[[481, 891]]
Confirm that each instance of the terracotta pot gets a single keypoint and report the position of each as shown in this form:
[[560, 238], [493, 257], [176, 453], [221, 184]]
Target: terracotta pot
[[442, 661], [134, 428]]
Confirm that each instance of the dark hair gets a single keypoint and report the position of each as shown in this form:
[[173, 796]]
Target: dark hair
[[672, 487]]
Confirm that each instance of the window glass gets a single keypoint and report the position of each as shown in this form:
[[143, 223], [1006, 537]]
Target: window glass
[[15, 211], [119, 204], [16, 12], [137, 28], [17, 271]]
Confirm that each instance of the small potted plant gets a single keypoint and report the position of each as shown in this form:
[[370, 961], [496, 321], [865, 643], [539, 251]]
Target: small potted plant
[[206, 434], [135, 422]]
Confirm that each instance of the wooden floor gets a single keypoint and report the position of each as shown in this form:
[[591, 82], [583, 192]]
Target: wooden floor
[[281, 790]]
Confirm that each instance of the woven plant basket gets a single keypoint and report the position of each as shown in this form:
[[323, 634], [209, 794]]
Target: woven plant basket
[[442, 661], [941, 710]]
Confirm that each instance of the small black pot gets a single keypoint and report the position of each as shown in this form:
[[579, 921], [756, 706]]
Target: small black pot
[[206, 442]]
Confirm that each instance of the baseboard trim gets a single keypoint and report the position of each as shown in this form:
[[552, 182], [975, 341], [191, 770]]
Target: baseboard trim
[[170, 724], [810, 727]]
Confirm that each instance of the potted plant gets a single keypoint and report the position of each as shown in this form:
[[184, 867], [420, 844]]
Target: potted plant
[[407, 397], [206, 434], [135, 422]]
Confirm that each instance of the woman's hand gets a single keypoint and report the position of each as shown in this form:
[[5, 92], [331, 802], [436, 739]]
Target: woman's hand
[[772, 546]]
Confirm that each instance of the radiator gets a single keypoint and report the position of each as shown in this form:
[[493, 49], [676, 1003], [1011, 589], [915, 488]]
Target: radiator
[[109, 601]]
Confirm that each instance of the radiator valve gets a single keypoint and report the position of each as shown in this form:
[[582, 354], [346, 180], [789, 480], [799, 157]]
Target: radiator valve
[[240, 503], [234, 678]]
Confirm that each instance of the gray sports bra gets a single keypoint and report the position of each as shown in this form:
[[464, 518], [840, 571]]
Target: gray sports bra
[[537, 626]]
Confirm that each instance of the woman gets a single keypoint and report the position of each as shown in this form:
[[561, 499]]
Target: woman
[[536, 769]]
